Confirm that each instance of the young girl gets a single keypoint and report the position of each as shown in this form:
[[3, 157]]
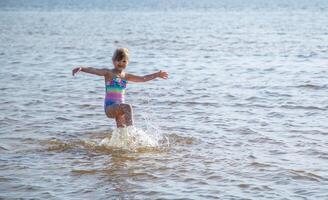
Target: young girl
[[116, 80]]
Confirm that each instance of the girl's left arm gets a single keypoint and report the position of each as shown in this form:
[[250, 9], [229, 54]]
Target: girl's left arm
[[134, 78]]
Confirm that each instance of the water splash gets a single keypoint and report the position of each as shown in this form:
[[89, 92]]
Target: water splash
[[133, 138]]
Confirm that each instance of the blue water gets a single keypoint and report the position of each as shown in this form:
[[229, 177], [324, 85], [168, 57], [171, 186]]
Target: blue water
[[244, 110]]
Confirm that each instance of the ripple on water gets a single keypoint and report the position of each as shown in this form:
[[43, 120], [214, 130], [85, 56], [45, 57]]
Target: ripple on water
[[312, 86], [304, 175], [301, 107], [3, 148]]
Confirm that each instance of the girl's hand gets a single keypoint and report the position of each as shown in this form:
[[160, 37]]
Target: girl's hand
[[76, 70], [163, 75]]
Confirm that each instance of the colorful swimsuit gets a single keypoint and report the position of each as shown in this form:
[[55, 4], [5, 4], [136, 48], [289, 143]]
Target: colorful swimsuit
[[115, 90]]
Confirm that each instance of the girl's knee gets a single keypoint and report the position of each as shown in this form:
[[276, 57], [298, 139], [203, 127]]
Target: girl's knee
[[127, 108], [120, 121], [109, 113]]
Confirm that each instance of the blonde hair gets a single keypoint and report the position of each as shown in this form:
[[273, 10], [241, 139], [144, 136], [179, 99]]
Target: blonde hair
[[120, 54]]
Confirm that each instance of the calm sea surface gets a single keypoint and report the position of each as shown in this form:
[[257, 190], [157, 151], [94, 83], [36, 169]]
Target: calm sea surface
[[244, 113]]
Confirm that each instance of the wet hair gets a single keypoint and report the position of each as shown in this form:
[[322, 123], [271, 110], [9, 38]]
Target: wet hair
[[120, 54]]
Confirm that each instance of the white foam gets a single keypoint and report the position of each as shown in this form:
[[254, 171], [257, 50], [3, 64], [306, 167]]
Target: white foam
[[132, 138]]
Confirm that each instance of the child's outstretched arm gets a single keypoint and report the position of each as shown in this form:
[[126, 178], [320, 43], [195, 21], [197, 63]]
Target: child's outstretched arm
[[134, 78], [90, 70]]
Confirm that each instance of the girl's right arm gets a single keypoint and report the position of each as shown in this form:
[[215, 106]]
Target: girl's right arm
[[91, 70]]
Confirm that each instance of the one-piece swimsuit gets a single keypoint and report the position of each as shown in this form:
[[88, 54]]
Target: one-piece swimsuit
[[115, 90]]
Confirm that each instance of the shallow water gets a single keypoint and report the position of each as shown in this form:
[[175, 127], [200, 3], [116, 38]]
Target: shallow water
[[244, 110]]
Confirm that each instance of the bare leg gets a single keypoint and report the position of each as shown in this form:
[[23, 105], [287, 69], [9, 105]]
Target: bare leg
[[120, 121], [122, 113], [128, 114]]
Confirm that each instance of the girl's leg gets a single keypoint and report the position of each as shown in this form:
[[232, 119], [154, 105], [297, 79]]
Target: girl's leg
[[128, 114], [122, 113], [120, 121]]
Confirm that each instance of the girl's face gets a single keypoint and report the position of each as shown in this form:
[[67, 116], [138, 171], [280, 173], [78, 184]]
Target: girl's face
[[120, 65]]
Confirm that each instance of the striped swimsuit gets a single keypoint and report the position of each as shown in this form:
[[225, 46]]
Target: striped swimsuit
[[115, 90]]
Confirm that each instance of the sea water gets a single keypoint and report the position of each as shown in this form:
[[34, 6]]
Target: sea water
[[243, 114]]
